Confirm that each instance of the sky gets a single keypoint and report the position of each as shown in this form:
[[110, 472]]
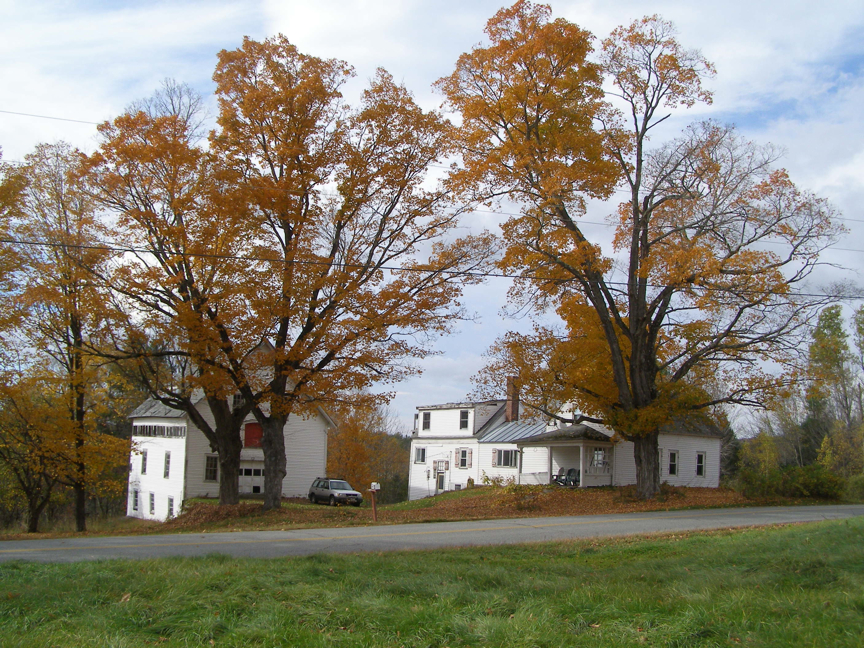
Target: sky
[[788, 72]]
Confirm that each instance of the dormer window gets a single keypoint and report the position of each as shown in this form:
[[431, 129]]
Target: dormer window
[[463, 420]]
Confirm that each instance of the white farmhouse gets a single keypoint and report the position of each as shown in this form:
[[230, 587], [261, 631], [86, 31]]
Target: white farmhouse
[[173, 460], [455, 442]]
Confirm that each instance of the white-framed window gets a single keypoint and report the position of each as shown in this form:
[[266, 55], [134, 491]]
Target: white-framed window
[[170, 507], [463, 457], [152, 503], [427, 420], [143, 462], [505, 458], [211, 468], [598, 457], [420, 455], [463, 420], [134, 500], [167, 465], [673, 462], [700, 464]]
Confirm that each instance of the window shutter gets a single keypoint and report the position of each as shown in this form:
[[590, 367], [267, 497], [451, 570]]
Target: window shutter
[[494, 457], [469, 457]]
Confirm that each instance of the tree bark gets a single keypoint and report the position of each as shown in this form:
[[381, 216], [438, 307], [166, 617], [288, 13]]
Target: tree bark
[[80, 507], [224, 438], [35, 505], [229, 476], [275, 465], [646, 451]]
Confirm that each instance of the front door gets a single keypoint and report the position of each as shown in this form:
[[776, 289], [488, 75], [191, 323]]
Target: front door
[[439, 485]]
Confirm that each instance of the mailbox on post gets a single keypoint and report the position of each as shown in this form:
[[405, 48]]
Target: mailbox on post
[[374, 488]]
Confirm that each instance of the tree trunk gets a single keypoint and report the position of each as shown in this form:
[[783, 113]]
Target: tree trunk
[[275, 465], [224, 437], [229, 478], [646, 451], [80, 507], [35, 506]]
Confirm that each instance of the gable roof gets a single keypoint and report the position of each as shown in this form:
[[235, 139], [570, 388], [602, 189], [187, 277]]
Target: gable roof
[[693, 426], [152, 408], [569, 433]]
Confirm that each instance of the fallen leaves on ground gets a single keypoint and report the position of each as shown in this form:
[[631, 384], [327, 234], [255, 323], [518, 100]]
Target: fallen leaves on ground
[[480, 503]]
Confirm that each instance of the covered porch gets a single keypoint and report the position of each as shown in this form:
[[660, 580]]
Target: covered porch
[[578, 456]]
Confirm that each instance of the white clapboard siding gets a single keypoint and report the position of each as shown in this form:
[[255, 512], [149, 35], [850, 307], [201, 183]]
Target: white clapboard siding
[[154, 481], [306, 453], [445, 423], [687, 446], [535, 460], [421, 478]]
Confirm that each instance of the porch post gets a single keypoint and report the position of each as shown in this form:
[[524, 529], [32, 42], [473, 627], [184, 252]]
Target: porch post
[[519, 470], [582, 465], [549, 453]]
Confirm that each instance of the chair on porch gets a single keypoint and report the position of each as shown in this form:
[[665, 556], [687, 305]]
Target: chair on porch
[[572, 477], [561, 477]]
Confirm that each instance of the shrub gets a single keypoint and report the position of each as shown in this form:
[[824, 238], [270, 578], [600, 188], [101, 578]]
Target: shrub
[[757, 484], [793, 481], [855, 488], [812, 481]]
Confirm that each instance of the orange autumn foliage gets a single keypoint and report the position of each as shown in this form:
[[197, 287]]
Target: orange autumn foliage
[[705, 280], [363, 449]]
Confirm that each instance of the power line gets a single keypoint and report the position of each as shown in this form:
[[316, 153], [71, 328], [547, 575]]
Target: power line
[[460, 273], [77, 121], [436, 166]]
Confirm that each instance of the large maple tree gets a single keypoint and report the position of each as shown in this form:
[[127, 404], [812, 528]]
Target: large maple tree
[[297, 258], [357, 275], [705, 282]]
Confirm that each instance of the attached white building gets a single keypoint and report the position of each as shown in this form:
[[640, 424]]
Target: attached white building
[[455, 442], [173, 460]]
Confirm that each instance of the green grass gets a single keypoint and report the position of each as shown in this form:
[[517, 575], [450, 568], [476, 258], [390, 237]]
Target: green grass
[[789, 586]]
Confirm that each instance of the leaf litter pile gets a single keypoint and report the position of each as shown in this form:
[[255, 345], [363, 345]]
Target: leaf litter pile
[[477, 504]]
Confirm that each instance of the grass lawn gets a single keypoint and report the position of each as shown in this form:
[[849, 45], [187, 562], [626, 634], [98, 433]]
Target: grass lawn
[[786, 586]]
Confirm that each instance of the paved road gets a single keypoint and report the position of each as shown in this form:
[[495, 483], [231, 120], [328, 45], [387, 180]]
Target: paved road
[[275, 544]]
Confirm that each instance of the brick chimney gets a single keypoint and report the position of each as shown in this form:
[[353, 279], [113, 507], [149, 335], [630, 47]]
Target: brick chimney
[[511, 410]]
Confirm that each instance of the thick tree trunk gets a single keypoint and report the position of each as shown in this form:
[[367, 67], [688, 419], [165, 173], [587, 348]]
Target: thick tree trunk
[[646, 451], [229, 476], [224, 437], [275, 464]]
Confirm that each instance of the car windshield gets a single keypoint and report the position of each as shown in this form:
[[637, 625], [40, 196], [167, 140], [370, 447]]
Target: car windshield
[[340, 485]]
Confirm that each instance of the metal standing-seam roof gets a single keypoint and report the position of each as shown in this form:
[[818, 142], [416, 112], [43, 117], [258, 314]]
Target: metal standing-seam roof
[[513, 431]]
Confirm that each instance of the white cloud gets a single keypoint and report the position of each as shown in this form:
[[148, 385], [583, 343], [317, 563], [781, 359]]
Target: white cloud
[[788, 72]]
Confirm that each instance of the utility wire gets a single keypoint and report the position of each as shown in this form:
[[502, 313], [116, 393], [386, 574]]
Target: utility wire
[[104, 247], [77, 121], [435, 166]]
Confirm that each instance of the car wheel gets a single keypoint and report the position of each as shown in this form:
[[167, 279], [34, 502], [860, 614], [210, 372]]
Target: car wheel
[[332, 501], [311, 498]]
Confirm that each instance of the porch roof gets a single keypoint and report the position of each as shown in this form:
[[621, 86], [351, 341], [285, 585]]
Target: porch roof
[[578, 432]]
